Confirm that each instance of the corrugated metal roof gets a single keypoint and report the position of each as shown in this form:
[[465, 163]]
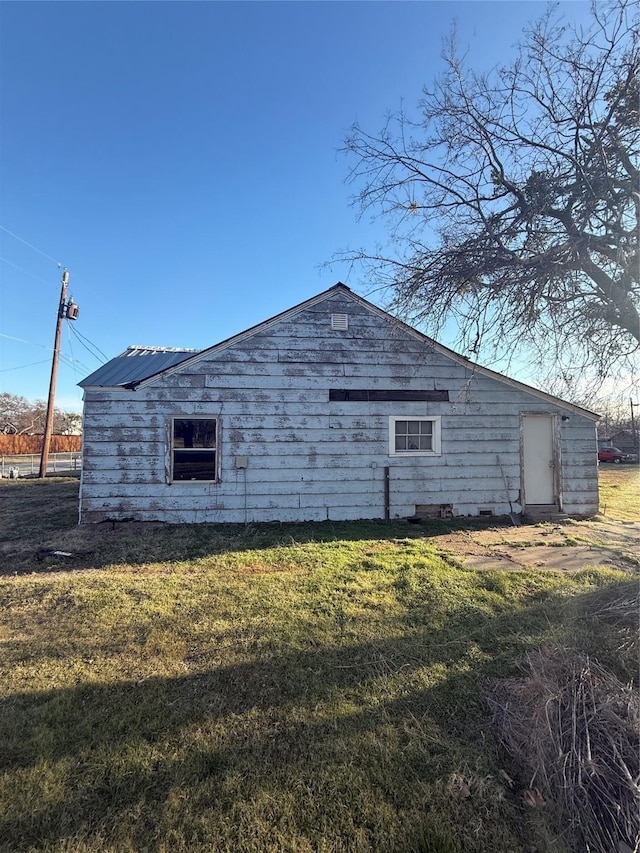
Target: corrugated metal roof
[[135, 364]]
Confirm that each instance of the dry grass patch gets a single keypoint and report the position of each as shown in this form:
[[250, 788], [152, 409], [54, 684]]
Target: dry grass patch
[[620, 492], [574, 727]]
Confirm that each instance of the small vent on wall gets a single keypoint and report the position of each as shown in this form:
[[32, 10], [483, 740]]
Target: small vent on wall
[[340, 322]]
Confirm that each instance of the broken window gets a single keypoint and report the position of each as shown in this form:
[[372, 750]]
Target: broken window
[[194, 449], [417, 436]]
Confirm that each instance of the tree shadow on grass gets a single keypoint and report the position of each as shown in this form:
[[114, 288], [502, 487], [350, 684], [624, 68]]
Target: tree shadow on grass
[[355, 732]]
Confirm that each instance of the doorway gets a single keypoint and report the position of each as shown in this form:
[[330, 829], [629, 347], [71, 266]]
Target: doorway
[[539, 460]]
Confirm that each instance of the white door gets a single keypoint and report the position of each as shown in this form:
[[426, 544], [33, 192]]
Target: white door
[[538, 459]]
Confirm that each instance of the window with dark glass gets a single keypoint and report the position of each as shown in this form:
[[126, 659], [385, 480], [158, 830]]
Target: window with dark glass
[[194, 449], [414, 435]]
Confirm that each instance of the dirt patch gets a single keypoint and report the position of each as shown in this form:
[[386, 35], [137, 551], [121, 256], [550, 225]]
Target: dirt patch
[[566, 547]]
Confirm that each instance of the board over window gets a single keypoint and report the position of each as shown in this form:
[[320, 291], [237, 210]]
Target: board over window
[[194, 450], [411, 436]]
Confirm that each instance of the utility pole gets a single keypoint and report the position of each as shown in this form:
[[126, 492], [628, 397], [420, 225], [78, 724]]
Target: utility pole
[[634, 437], [70, 311]]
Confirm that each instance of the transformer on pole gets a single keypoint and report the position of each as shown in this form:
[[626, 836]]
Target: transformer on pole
[[68, 310]]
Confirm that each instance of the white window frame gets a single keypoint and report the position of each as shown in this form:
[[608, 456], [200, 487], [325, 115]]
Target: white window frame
[[435, 420], [216, 449]]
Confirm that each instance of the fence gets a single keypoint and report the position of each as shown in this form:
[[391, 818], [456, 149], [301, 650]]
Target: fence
[[18, 445], [28, 464]]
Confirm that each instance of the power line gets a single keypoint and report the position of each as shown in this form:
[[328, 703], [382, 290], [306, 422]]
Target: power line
[[75, 362], [22, 269], [22, 341], [40, 252], [75, 370], [64, 357], [84, 341], [90, 343], [22, 366], [30, 245], [71, 362]]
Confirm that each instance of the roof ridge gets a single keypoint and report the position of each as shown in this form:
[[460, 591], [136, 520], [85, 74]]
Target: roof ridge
[[140, 347]]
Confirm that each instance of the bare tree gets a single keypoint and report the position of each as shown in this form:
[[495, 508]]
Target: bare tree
[[20, 416], [513, 199]]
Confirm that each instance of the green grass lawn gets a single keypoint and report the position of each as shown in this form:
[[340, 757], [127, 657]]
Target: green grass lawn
[[620, 491], [272, 688]]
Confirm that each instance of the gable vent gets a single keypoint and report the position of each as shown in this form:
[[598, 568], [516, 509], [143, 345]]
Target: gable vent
[[340, 322]]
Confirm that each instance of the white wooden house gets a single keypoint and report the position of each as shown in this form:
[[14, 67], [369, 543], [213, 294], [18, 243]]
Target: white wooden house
[[330, 410]]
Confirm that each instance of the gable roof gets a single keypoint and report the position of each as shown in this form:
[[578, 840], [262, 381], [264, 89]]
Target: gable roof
[[194, 356], [135, 364]]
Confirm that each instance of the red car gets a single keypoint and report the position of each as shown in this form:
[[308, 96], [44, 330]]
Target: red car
[[612, 454]]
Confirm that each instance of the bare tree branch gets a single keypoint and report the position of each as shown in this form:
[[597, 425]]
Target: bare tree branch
[[513, 199]]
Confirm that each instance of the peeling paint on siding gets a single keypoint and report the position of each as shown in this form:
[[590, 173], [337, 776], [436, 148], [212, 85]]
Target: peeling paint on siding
[[309, 458]]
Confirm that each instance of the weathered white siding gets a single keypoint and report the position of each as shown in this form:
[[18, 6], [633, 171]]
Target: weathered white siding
[[312, 459]]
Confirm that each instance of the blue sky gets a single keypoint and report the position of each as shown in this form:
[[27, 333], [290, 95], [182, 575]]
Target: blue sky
[[180, 159]]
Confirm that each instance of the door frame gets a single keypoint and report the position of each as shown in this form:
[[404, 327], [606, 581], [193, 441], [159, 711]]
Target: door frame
[[557, 461]]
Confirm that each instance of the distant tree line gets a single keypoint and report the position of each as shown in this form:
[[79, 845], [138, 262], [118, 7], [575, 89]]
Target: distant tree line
[[19, 416]]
